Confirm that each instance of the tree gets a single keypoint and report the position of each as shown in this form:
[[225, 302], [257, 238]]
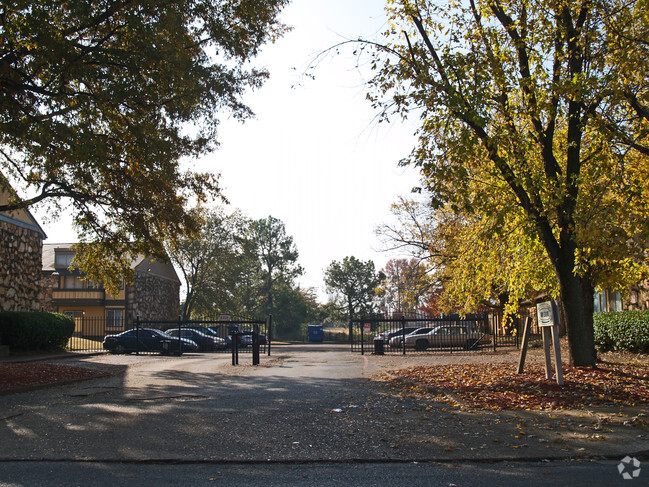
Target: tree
[[543, 106], [100, 101], [294, 309], [353, 282], [473, 261], [212, 264], [277, 256], [405, 285]]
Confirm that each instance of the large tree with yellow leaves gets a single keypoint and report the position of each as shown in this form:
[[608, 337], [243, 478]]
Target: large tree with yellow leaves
[[535, 119]]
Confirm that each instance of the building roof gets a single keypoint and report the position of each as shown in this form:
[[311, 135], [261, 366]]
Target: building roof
[[141, 264], [156, 268], [20, 218]]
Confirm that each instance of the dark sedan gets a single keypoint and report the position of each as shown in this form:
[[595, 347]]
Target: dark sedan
[[213, 332], [147, 340], [386, 336], [205, 341], [245, 338]]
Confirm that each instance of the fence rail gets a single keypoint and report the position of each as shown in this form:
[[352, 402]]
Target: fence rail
[[235, 334], [431, 334]]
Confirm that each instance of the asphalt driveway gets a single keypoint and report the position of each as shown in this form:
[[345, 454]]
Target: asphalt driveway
[[303, 404]]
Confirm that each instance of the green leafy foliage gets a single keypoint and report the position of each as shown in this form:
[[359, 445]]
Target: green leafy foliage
[[294, 309], [35, 331], [243, 267], [622, 331], [277, 257], [353, 283], [101, 101], [214, 265]]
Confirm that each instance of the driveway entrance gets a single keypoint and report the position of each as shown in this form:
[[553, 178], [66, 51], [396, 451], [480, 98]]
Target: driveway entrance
[[303, 404]]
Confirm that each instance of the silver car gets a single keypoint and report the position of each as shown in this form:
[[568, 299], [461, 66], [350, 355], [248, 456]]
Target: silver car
[[465, 336], [397, 341]]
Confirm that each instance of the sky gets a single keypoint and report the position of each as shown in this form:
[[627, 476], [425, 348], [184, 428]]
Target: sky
[[314, 156]]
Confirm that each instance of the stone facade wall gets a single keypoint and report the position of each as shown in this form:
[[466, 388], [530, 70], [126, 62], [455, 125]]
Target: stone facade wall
[[21, 287], [153, 298], [50, 282]]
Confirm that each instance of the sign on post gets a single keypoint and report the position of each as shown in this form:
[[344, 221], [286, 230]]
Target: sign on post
[[367, 328], [549, 324], [544, 314]]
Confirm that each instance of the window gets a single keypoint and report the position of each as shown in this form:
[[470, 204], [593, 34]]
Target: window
[[63, 260], [114, 318], [72, 282], [74, 314]]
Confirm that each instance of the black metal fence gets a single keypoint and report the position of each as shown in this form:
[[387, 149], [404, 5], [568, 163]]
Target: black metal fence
[[379, 335], [225, 336]]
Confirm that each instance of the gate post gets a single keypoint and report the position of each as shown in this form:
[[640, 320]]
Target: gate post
[[403, 332], [180, 336], [137, 335], [235, 348], [269, 332], [362, 326], [255, 344], [351, 334]]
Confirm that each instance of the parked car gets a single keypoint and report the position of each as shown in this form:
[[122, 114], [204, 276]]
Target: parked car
[[397, 340], [206, 342], [203, 329], [246, 338], [147, 340], [211, 331], [386, 336], [456, 335]]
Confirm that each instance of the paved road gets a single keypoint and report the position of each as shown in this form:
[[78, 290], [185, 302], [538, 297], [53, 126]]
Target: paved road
[[306, 409], [524, 474]]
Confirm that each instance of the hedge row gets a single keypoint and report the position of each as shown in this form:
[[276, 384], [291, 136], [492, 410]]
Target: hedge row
[[622, 330], [35, 331]]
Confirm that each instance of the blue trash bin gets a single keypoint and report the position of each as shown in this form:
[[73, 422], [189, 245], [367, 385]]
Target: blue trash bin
[[316, 333]]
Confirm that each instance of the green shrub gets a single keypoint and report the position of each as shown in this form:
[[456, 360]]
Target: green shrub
[[622, 330], [35, 331]]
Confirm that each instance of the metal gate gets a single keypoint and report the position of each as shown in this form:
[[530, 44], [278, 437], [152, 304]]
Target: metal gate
[[227, 336], [235, 335], [406, 335]]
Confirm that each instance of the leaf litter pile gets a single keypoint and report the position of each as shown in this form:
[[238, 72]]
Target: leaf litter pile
[[498, 387], [19, 375]]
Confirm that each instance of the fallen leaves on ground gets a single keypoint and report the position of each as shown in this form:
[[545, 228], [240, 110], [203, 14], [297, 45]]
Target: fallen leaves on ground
[[498, 386], [19, 375]]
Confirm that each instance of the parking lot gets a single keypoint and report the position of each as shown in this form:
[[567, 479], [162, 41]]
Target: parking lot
[[305, 403]]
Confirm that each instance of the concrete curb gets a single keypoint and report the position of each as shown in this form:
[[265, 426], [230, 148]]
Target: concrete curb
[[44, 357]]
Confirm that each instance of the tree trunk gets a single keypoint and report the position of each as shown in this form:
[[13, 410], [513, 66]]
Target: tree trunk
[[577, 308], [187, 306]]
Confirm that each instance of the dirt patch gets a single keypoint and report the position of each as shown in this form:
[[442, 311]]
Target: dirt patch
[[21, 376]]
